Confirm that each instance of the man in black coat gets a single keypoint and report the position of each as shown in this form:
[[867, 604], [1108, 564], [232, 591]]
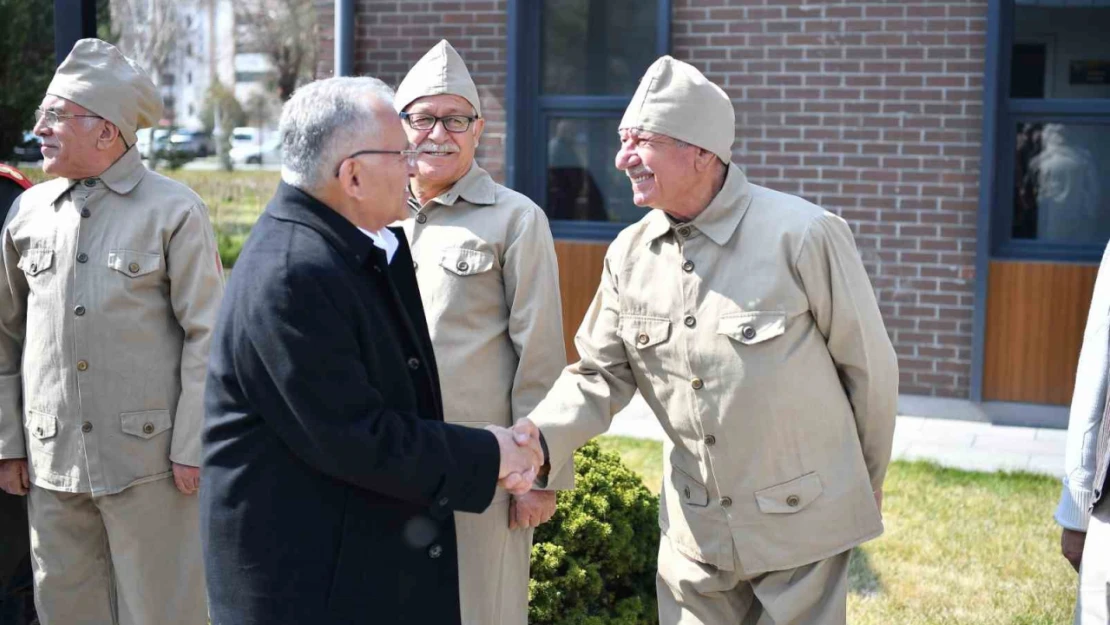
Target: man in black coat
[[329, 479]]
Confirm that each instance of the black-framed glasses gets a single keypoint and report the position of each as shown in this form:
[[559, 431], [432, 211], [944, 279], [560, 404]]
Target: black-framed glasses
[[51, 116], [451, 123], [410, 157]]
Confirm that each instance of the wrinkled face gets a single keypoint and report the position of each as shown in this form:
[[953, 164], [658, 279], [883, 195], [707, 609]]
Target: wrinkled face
[[447, 156], [69, 145], [660, 169]]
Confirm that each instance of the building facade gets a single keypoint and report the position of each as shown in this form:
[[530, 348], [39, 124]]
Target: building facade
[[967, 142]]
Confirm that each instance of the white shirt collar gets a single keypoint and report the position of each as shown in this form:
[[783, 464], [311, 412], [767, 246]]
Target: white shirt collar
[[385, 240]]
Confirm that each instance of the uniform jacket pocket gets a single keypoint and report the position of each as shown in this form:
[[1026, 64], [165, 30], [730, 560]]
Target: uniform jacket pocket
[[644, 332], [464, 262], [41, 425], [36, 261], [751, 328], [134, 264], [692, 492], [790, 497], [147, 424]]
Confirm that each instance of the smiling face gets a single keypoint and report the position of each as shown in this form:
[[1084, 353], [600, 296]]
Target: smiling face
[[661, 169], [69, 147], [447, 156]]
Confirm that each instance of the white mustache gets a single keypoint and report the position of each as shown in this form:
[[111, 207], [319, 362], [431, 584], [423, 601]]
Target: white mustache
[[432, 148], [639, 171]]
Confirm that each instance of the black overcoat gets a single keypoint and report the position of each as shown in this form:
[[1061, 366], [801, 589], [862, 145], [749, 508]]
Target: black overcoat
[[329, 478]]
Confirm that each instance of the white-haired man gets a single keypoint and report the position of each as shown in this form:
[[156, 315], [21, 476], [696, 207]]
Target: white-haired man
[[330, 477], [489, 279], [745, 318], [108, 295]]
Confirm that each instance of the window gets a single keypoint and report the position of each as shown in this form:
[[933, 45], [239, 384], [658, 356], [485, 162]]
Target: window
[[570, 92], [1054, 200]]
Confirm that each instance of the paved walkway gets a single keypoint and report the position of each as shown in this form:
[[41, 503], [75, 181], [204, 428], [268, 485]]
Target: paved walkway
[[970, 445]]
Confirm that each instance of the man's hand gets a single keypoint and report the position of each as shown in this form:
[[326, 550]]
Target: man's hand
[[531, 509], [15, 479], [186, 478], [520, 459], [1071, 545]]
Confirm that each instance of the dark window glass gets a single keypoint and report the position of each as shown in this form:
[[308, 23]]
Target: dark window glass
[[596, 47], [582, 182], [1060, 51], [1061, 193]]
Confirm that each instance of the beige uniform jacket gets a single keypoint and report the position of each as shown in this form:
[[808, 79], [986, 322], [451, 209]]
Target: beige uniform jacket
[[754, 335], [489, 281], [108, 293]]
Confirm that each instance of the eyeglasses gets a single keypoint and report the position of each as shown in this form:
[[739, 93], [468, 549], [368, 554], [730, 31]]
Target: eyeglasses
[[451, 123], [410, 157], [51, 116]]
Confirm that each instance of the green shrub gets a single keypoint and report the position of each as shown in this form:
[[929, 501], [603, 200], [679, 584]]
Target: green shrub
[[230, 246], [594, 562]]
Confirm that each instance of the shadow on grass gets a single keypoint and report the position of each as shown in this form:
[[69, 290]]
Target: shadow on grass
[[862, 579]]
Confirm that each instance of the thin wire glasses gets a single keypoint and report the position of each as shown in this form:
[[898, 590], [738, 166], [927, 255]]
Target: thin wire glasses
[[51, 116], [409, 155], [451, 123]]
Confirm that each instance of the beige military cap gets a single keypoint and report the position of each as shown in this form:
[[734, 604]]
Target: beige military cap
[[440, 71], [97, 76], [677, 100]]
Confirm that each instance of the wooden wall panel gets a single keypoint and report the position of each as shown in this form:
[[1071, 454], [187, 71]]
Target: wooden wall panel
[[579, 275], [1036, 314]]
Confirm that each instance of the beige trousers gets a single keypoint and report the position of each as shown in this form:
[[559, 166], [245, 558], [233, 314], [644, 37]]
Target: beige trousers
[[493, 567], [1093, 604], [132, 558], [694, 593]]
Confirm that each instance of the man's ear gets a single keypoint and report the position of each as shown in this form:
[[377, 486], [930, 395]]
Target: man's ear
[[703, 160], [350, 178], [479, 126], [109, 132]]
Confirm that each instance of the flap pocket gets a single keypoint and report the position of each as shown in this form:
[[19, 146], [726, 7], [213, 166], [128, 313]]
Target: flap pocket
[[790, 497], [146, 424], [691, 491], [36, 261], [644, 331], [463, 262], [134, 264], [752, 327], [41, 425]]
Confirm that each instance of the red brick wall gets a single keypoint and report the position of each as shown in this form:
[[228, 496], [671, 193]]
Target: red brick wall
[[872, 109], [390, 37]]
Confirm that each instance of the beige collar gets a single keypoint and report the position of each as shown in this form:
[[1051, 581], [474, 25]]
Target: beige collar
[[719, 220], [121, 177]]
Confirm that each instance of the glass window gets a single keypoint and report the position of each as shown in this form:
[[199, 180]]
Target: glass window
[[583, 184], [596, 47], [1061, 194], [1061, 51]]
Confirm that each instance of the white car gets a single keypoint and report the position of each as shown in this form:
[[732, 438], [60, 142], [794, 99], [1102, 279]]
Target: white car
[[269, 153]]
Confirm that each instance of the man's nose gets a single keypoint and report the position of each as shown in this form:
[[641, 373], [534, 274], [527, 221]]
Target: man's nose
[[438, 133], [626, 158]]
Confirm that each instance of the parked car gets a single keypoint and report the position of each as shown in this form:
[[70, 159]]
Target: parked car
[[196, 143], [269, 153], [29, 149], [244, 135], [152, 140]]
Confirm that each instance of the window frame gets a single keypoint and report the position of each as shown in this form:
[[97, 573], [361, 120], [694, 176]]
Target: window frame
[[528, 112]]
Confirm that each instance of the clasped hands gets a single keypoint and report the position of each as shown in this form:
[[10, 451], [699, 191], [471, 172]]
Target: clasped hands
[[521, 456]]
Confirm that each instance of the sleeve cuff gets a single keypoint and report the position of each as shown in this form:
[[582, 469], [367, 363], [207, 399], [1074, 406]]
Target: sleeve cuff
[[1073, 512]]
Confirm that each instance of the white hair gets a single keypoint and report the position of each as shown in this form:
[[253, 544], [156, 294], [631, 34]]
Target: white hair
[[323, 122]]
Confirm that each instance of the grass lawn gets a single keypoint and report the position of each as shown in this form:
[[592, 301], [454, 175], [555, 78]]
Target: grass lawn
[[959, 547]]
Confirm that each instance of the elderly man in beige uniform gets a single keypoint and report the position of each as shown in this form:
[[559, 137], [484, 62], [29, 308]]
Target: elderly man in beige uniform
[[485, 262], [109, 290], [745, 318]]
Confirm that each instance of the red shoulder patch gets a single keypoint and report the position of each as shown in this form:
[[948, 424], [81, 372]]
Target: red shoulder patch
[[16, 176]]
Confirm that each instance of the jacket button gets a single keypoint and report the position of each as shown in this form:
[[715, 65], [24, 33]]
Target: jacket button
[[414, 363], [85, 214], [34, 267], [415, 265], [726, 502], [82, 365], [133, 267], [642, 339], [686, 491], [688, 266], [79, 310], [148, 428], [82, 257], [90, 182], [462, 266], [690, 321], [444, 501], [38, 431], [793, 501], [420, 219], [710, 440], [435, 551], [86, 427], [697, 384], [747, 332], [683, 232]]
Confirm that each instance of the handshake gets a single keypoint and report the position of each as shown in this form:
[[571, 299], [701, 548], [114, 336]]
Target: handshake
[[521, 456]]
